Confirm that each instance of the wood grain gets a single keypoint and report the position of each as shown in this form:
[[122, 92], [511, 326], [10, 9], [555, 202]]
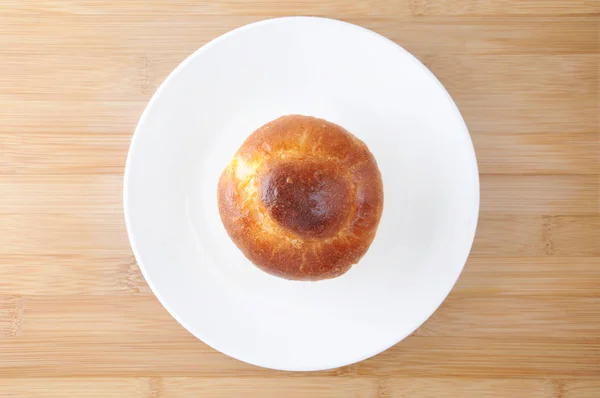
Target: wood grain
[[77, 317], [42, 154], [345, 387], [90, 273], [537, 153], [182, 387], [529, 276], [433, 388], [477, 316], [502, 235], [183, 355], [11, 316], [96, 387], [344, 7]]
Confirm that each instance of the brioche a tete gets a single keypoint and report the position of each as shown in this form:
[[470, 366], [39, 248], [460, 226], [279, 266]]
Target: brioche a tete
[[302, 198]]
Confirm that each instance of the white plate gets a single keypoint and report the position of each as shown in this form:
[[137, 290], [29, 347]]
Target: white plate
[[348, 75]]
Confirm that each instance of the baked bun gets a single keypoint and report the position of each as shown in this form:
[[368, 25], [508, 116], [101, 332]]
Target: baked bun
[[302, 198]]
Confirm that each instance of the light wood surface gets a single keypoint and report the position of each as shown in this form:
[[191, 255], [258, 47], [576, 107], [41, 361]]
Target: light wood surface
[[76, 316]]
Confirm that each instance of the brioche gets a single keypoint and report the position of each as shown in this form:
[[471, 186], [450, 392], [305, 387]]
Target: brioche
[[302, 198]]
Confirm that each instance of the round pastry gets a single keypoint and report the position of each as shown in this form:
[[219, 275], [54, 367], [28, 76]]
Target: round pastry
[[302, 198]]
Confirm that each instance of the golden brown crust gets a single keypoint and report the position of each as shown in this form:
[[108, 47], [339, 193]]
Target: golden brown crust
[[302, 198]]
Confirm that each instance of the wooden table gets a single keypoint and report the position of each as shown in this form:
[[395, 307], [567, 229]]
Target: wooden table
[[77, 318]]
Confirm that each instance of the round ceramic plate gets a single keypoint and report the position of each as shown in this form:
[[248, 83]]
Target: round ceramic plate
[[348, 75]]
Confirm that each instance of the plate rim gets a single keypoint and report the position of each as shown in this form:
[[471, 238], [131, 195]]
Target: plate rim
[[148, 108]]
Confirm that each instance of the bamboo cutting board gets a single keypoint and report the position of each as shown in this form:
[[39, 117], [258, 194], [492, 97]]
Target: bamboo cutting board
[[77, 318]]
